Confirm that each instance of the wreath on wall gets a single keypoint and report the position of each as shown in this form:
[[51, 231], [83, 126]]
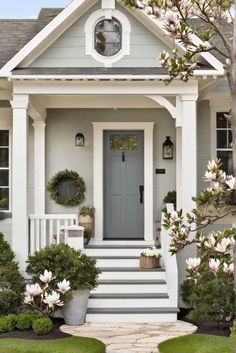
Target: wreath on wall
[[67, 188]]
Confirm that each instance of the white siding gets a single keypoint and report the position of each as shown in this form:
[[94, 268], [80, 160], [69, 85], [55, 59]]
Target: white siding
[[69, 49]]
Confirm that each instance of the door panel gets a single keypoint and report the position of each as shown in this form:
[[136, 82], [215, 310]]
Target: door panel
[[123, 175]]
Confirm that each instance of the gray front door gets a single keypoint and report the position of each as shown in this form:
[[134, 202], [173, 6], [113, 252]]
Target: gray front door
[[123, 185]]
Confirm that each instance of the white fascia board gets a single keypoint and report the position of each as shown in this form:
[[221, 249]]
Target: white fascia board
[[48, 34], [156, 26]]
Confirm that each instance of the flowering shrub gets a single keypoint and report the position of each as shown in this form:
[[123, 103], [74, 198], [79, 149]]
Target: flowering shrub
[[152, 252], [43, 298], [215, 264]]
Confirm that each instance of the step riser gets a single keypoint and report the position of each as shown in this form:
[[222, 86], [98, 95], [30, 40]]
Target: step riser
[[129, 303], [113, 252], [132, 275], [117, 262], [138, 318], [131, 288]]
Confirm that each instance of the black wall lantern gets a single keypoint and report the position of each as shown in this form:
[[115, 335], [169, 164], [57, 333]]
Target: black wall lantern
[[168, 149], [79, 140]]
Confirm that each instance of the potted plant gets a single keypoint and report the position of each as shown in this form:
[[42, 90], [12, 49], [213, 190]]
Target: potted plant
[[86, 217], [70, 264], [149, 258], [87, 235], [170, 198]]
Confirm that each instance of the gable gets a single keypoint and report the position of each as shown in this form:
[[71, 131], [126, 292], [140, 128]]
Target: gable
[[69, 50]]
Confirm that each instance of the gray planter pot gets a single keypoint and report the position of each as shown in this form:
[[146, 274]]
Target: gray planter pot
[[74, 311]]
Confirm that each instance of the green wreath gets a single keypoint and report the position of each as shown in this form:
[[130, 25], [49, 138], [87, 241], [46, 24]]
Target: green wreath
[[78, 196]]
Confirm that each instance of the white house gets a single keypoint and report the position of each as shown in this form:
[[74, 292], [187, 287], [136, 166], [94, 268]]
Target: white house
[[92, 68]]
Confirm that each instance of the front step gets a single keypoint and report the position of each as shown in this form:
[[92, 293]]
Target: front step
[[129, 300], [131, 286], [126, 293], [138, 315], [131, 273]]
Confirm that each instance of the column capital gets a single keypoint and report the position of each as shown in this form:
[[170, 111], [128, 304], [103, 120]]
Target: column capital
[[20, 101], [189, 97], [39, 124]]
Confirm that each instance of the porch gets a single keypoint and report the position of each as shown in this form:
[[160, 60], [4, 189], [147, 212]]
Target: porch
[[139, 103]]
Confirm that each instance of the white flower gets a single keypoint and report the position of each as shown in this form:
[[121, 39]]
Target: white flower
[[211, 165], [228, 268], [63, 286], [231, 182], [53, 299], [210, 243], [46, 277], [152, 252], [228, 62], [222, 246], [206, 45], [28, 299], [193, 263], [174, 217], [210, 176], [214, 265], [32, 290]]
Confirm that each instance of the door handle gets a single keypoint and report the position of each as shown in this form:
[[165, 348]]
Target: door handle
[[141, 189]]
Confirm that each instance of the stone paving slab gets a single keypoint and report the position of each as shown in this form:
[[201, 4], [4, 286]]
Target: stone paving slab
[[131, 337]]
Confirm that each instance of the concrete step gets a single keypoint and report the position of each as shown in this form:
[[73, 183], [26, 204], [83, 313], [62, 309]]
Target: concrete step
[[128, 300], [115, 251], [131, 273], [144, 315], [117, 261], [131, 286]]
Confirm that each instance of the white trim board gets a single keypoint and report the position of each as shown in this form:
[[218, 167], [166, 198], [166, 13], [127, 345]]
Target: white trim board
[[98, 189]]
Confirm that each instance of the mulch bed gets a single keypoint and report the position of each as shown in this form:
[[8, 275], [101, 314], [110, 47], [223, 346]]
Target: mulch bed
[[207, 327], [30, 335]]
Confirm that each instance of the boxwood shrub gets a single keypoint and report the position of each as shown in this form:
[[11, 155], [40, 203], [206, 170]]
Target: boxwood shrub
[[42, 326]]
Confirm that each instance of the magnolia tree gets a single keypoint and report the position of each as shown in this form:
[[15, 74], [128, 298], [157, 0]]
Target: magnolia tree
[[42, 298], [216, 249]]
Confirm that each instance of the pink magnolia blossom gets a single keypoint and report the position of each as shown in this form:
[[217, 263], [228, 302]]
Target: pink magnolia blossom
[[174, 217], [222, 246], [63, 286], [212, 165], [214, 265], [210, 176], [231, 182], [46, 277], [206, 45], [28, 299], [193, 263], [52, 299], [32, 290], [210, 243], [228, 268]]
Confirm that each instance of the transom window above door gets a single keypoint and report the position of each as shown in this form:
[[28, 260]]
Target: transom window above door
[[123, 142], [107, 39]]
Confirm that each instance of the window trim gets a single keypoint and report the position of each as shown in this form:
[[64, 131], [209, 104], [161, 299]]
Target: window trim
[[89, 28], [218, 103], [7, 128]]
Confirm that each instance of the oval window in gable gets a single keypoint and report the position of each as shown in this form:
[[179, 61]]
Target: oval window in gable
[[108, 37]]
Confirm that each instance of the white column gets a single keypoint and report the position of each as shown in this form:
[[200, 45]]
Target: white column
[[148, 185], [179, 168], [39, 167], [189, 151], [19, 179]]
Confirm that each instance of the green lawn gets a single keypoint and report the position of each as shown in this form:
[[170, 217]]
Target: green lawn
[[62, 345], [197, 343]]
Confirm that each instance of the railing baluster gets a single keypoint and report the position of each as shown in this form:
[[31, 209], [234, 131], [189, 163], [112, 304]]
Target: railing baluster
[[37, 235], [32, 236], [43, 233], [66, 232], [51, 239], [58, 230]]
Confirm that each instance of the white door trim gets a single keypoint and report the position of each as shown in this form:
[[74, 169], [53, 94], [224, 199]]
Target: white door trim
[[98, 192]]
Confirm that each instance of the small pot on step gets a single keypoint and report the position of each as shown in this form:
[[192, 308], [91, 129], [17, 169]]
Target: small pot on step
[[149, 258]]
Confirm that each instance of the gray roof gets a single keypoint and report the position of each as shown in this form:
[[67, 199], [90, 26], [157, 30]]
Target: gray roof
[[95, 71], [15, 34]]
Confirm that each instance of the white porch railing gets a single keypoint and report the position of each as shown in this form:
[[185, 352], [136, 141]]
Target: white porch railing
[[45, 229], [169, 262]]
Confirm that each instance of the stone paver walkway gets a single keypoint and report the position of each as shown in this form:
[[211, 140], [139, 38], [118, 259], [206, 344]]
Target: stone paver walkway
[[131, 337]]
